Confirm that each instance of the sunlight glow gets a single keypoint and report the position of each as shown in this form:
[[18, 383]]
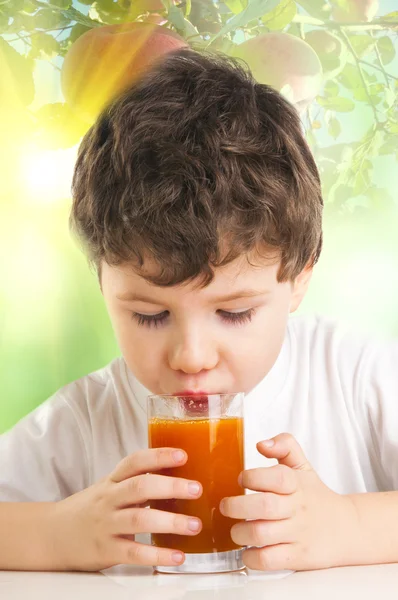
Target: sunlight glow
[[47, 174]]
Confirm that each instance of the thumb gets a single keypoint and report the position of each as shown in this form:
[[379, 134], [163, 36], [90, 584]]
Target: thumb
[[286, 449]]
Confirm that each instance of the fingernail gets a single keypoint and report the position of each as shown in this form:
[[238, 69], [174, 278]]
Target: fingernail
[[240, 479], [193, 524], [178, 455], [177, 557], [268, 443], [194, 489], [221, 507]]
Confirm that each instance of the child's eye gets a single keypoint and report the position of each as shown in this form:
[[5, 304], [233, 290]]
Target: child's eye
[[150, 320], [237, 318], [160, 318]]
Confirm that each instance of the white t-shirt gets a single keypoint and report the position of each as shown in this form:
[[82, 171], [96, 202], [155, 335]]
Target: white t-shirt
[[335, 391]]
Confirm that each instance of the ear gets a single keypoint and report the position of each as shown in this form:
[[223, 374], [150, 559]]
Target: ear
[[300, 287]]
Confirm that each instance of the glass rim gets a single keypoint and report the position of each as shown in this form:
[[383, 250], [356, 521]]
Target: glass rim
[[168, 396]]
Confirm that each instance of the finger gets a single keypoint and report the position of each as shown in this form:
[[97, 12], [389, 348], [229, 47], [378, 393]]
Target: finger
[[134, 553], [286, 450], [144, 461], [142, 520], [264, 505], [140, 489], [279, 479], [262, 533], [271, 558]]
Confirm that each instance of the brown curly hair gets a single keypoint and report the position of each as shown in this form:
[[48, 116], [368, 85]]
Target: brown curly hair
[[193, 166]]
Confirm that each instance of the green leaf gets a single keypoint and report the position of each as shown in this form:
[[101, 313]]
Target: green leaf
[[236, 6], [3, 21], [389, 97], [44, 46], [282, 15], [183, 26], [386, 49], [360, 95], [338, 103], [350, 77], [316, 8], [339, 193], [376, 88], [369, 78], [392, 16], [331, 88], [75, 15], [29, 7], [362, 44], [16, 75], [362, 178], [47, 18], [254, 10], [76, 31], [22, 22], [390, 146], [334, 128], [176, 17], [15, 5], [62, 3]]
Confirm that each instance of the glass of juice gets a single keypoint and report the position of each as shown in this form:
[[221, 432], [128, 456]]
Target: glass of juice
[[210, 428]]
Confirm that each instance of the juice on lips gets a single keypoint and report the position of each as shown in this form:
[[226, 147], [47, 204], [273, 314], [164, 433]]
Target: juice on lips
[[215, 458]]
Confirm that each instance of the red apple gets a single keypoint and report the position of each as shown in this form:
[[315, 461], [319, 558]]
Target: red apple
[[106, 60], [286, 63], [357, 10]]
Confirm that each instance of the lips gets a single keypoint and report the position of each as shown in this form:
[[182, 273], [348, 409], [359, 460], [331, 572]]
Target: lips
[[195, 403], [191, 393]]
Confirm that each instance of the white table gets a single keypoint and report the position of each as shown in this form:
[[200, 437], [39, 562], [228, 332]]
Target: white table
[[125, 582]]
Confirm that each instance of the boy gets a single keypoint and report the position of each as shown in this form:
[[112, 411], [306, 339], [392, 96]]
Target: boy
[[197, 199]]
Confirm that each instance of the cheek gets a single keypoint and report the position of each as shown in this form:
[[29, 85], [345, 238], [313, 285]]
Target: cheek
[[257, 351], [140, 346], [143, 357]]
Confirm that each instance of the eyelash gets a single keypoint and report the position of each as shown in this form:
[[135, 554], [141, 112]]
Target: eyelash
[[157, 320]]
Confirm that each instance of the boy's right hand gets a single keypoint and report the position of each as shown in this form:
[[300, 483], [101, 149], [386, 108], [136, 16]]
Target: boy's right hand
[[90, 525]]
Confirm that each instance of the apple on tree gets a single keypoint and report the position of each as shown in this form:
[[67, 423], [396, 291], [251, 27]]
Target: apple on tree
[[354, 10], [106, 60], [286, 63]]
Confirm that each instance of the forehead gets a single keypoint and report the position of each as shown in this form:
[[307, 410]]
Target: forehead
[[249, 271]]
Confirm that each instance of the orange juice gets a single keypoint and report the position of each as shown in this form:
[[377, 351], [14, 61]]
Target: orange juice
[[215, 459]]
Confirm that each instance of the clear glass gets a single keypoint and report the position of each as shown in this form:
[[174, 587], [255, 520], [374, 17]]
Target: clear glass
[[210, 428]]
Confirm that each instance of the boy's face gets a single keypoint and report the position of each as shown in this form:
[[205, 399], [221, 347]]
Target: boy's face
[[181, 339]]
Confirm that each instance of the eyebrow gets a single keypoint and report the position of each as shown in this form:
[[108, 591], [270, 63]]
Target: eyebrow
[[133, 297]]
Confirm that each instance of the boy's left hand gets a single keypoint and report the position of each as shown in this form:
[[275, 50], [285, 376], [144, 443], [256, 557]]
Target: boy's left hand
[[297, 522]]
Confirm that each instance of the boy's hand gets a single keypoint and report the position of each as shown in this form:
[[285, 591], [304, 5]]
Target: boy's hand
[[297, 521], [96, 527]]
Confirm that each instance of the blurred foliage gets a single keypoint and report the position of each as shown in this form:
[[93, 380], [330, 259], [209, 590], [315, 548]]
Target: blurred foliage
[[355, 70], [54, 341]]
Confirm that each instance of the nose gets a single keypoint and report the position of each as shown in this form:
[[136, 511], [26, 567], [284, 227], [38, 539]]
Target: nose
[[192, 352]]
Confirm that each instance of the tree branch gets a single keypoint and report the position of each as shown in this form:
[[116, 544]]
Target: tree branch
[[380, 61], [359, 67], [349, 25], [368, 64], [22, 37]]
